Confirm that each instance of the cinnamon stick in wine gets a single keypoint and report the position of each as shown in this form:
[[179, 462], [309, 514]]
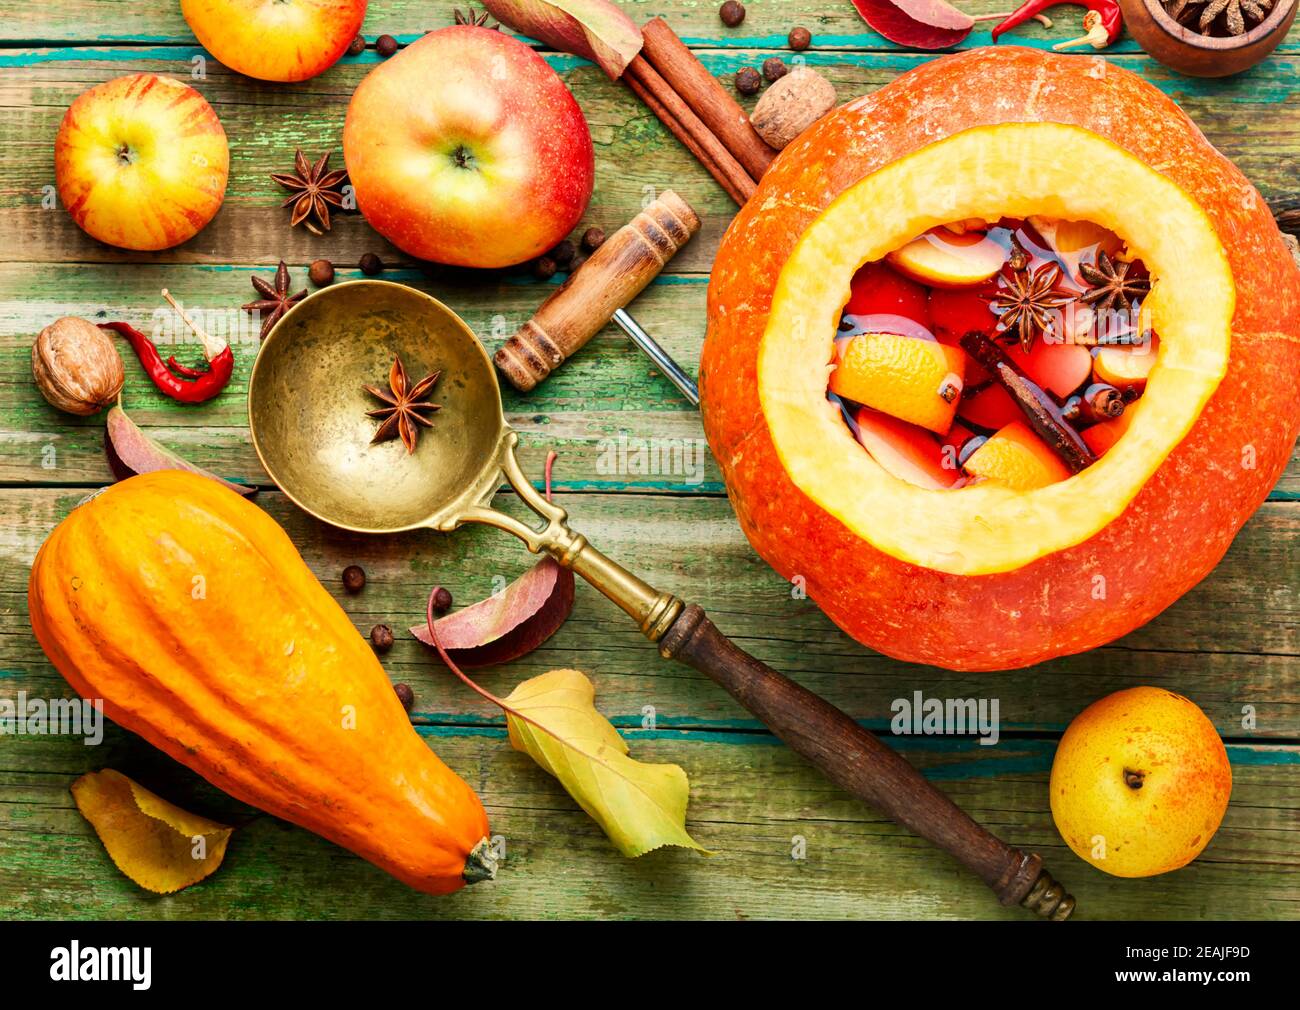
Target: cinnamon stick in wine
[[687, 127], [706, 96], [1040, 410]]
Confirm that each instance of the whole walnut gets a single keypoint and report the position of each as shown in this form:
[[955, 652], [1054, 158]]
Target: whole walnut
[[76, 366]]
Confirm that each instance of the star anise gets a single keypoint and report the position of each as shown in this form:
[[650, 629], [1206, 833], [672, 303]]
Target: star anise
[[1180, 9], [1111, 284], [1027, 300], [405, 403], [1235, 14], [470, 17], [275, 301], [313, 188]]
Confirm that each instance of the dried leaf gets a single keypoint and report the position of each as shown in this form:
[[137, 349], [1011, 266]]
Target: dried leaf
[[508, 624], [594, 29], [158, 845], [919, 24], [641, 807], [130, 452]]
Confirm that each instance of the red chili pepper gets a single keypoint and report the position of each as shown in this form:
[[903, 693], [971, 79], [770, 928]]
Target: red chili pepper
[[202, 386], [1104, 21], [185, 370]]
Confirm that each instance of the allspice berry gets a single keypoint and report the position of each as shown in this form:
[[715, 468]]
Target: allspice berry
[[799, 38], [76, 366], [321, 273], [748, 81], [774, 68], [354, 578], [371, 264], [732, 13], [381, 637], [592, 239], [544, 268], [385, 46], [563, 253], [405, 695], [441, 600], [357, 46]]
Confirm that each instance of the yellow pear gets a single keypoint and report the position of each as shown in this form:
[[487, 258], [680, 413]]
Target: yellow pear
[[1140, 782]]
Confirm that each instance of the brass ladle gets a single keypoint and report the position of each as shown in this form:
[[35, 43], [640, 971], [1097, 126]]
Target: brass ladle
[[307, 414]]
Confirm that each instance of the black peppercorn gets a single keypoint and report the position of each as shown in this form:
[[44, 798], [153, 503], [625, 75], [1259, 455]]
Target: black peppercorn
[[592, 239], [774, 68], [371, 264], [544, 268], [321, 273], [357, 46], [732, 13], [563, 253], [381, 637], [577, 262], [405, 695], [799, 39], [354, 578], [441, 600], [747, 81], [385, 45]]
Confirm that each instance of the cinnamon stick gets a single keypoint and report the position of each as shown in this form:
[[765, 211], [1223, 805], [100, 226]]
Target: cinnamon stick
[[1040, 410], [706, 96], [687, 127]]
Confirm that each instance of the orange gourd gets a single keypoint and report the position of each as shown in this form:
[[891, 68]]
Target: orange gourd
[[189, 612]]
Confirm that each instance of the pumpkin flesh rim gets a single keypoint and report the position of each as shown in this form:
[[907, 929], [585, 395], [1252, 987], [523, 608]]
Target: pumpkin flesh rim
[[1010, 169]]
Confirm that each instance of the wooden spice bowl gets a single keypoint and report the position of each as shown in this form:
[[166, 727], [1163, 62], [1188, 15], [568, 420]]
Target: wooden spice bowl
[[1189, 52]]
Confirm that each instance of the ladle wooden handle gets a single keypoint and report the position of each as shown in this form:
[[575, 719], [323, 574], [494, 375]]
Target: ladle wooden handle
[[612, 276], [858, 762]]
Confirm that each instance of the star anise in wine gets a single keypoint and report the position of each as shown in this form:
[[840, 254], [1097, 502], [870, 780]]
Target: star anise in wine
[[471, 17], [313, 189], [275, 301], [1235, 13], [406, 405], [1111, 284], [1027, 300]]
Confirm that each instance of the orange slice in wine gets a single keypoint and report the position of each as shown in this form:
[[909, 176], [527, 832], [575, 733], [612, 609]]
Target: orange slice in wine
[[902, 376], [1018, 458]]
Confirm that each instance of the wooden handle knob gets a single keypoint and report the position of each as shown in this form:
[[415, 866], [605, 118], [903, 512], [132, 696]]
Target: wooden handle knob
[[857, 761], [613, 275]]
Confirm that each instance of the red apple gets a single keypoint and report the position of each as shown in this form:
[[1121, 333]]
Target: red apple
[[466, 148], [141, 162], [275, 40]]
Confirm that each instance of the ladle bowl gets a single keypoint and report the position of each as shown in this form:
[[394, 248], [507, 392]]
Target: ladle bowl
[[307, 416]]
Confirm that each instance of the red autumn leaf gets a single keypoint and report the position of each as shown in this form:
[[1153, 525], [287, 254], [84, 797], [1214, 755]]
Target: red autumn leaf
[[510, 623], [130, 452], [919, 24]]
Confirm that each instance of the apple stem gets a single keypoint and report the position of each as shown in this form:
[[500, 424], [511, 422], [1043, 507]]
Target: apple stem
[[211, 346]]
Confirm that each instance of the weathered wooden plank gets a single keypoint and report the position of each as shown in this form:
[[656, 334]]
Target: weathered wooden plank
[[767, 22], [1248, 117], [558, 864], [1231, 642], [605, 399]]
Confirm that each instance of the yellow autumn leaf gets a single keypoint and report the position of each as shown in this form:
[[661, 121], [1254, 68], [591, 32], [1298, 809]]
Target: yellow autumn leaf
[[158, 845], [553, 719]]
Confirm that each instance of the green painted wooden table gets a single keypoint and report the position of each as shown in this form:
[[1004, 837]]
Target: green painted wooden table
[[1231, 643]]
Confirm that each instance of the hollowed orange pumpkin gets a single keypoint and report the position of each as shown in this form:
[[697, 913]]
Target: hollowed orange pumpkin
[[986, 576]]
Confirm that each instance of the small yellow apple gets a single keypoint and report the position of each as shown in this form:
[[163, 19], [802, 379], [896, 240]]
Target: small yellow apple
[[1140, 782], [141, 162]]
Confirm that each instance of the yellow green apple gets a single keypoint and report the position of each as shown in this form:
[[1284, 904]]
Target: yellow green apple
[[275, 40], [466, 148], [1140, 782], [141, 162]]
